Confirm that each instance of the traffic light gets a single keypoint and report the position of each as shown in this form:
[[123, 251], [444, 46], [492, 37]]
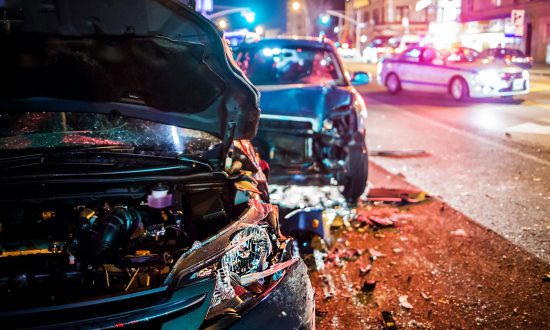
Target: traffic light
[[324, 19]]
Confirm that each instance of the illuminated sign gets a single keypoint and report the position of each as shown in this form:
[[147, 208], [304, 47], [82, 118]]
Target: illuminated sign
[[361, 3], [518, 19], [422, 4]]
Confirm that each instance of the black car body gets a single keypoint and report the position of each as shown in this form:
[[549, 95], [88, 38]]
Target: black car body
[[509, 56], [312, 123], [131, 195]]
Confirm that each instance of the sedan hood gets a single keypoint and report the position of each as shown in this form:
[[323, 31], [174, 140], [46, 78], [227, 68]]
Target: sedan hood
[[309, 101], [153, 60]]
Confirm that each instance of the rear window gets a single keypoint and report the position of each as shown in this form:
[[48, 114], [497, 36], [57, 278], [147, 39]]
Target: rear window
[[501, 52]]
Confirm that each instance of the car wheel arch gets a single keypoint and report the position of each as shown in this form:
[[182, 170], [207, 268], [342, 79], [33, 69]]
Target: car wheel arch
[[464, 82], [399, 85]]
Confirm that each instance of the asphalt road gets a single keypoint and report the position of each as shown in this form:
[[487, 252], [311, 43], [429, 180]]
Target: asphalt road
[[489, 159]]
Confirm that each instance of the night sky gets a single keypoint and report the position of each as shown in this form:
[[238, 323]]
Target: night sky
[[269, 13]]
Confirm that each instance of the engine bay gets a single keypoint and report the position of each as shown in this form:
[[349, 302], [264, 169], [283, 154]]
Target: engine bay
[[69, 249]]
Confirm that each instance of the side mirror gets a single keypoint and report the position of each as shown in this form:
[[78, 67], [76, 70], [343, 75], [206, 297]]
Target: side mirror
[[360, 78]]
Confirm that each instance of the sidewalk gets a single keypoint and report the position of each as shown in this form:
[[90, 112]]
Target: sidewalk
[[539, 69]]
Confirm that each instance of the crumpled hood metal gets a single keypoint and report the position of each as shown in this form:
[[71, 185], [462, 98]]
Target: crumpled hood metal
[[311, 101], [156, 60]]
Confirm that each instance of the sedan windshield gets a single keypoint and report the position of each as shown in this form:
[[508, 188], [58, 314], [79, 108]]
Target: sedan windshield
[[288, 65], [56, 130]]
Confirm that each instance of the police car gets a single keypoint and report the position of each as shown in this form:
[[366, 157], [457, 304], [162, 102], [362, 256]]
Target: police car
[[461, 72]]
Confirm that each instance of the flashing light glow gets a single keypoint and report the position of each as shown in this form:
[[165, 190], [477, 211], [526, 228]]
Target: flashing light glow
[[364, 38], [345, 45], [296, 6], [268, 52], [336, 29], [259, 30], [323, 62]]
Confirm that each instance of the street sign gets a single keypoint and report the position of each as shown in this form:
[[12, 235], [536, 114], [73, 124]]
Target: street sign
[[518, 19]]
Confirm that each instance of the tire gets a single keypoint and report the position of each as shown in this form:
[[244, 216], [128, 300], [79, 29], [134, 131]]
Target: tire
[[354, 181], [458, 89], [393, 84]]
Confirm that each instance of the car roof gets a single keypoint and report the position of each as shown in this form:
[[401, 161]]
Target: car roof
[[321, 43]]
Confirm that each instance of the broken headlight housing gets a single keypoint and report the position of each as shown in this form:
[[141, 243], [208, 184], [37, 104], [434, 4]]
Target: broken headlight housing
[[251, 255]]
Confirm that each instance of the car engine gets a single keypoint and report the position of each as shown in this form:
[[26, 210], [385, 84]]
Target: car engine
[[62, 249]]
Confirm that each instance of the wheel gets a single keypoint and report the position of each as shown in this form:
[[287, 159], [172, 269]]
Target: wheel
[[354, 181], [458, 89], [393, 84]]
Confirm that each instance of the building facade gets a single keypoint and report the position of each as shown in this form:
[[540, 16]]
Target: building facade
[[488, 23], [396, 18]]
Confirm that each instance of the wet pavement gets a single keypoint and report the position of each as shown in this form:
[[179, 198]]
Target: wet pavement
[[488, 159]]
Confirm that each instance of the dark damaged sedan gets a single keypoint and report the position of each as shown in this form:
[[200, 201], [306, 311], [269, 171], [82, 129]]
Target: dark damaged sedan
[[131, 196], [312, 125]]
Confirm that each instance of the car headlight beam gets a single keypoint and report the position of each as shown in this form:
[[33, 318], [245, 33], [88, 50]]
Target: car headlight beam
[[489, 78]]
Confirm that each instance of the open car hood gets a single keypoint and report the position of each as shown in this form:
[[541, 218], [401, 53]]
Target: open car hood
[[156, 60]]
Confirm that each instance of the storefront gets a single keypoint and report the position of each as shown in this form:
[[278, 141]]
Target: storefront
[[498, 32]]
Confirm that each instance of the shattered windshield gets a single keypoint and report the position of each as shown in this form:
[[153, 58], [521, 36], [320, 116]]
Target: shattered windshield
[[50, 130], [288, 65]]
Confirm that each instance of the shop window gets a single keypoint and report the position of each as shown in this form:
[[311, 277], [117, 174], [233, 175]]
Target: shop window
[[401, 12]]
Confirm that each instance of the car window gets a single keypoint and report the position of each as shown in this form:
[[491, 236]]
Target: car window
[[462, 55], [428, 55], [502, 52], [289, 65], [411, 55]]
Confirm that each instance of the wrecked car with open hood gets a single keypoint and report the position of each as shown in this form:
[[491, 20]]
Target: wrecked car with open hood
[[131, 196], [313, 121]]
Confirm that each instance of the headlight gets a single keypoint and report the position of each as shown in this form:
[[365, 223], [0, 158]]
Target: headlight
[[251, 255], [489, 78]]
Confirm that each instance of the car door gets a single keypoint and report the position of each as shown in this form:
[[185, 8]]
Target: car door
[[409, 67], [434, 74]]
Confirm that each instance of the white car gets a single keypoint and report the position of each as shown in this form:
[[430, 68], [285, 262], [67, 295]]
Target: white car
[[461, 73]]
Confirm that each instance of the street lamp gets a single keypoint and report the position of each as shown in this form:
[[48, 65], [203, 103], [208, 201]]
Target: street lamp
[[249, 16], [222, 24]]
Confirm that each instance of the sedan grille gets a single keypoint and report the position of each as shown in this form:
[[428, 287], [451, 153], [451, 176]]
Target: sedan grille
[[286, 125]]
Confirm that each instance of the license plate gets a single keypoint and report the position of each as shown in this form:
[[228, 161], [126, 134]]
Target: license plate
[[517, 84]]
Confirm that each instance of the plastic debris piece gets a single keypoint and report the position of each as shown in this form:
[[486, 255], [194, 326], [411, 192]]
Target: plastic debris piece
[[459, 232], [425, 295], [404, 302], [397, 250], [399, 153], [365, 269], [376, 253], [337, 222], [320, 313], [351, 254], [389, 322], [382, 222], [368, 286]]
